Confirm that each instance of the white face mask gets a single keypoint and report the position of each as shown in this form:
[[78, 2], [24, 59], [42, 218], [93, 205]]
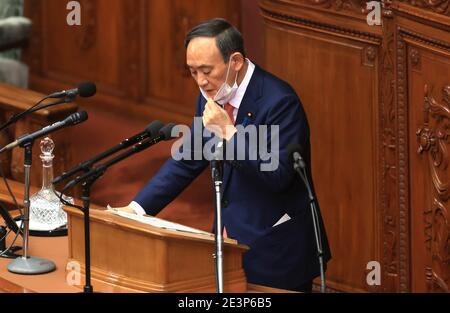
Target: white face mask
[[225, 92]]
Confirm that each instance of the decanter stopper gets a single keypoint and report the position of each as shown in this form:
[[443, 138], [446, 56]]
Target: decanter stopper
[[47, 146]]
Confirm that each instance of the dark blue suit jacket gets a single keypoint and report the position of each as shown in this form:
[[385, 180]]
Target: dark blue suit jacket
[[283, 256]]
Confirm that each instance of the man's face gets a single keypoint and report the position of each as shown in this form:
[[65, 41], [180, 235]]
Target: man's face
[[207, 66]]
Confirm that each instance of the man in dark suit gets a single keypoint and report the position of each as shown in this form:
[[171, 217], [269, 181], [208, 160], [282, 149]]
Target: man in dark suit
[[265, 205]]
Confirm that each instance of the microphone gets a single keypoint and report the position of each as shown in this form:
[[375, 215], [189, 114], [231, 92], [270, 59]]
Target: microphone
[[72, 119], [164, 133], [299, 163], [295, 156], [152, 130], [86, 89]]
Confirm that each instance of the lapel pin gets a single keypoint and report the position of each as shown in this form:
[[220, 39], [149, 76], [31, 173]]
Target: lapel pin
[[247, 118]]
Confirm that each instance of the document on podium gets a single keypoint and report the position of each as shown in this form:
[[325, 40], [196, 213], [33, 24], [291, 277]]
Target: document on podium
[[157, 222]]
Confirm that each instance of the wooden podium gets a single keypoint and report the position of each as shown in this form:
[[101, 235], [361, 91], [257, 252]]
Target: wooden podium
[[131, 256]]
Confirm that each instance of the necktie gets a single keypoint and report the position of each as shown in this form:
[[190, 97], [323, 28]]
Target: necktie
[[229, 109]]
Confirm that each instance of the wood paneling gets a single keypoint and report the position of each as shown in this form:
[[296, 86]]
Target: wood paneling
[[346, 156], [377, 99], [169, 84], [341, 104], [427, 60], [132, 49]]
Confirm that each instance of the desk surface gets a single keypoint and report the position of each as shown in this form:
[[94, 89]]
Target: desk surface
[[51, 248]]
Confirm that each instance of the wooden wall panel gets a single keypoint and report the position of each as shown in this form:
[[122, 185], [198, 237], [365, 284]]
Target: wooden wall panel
[[71, 54], [426, 56], [429, 115], [169, 84], [388, 128], [335, 72], [132, 49], [343, 135]]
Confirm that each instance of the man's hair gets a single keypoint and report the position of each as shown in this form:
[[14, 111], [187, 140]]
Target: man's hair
[[228, 38]]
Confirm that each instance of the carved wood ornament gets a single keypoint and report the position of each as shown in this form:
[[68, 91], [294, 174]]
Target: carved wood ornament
[[433, 140]]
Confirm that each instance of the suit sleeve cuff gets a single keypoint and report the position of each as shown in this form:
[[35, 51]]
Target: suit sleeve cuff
[[137, 208]]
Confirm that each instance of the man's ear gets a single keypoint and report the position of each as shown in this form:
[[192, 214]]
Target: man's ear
[[237, 60]]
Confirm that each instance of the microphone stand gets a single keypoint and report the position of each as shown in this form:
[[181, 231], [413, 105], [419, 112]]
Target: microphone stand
[[86, 192], [26, 264], [86, 197], [299, 167], [87, 181], [217, 181], [216, 175]]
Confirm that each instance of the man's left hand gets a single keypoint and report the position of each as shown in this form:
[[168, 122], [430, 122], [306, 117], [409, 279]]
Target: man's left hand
[[216, 120]]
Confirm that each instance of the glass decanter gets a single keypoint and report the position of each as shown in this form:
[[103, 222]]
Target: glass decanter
[[46, 210]]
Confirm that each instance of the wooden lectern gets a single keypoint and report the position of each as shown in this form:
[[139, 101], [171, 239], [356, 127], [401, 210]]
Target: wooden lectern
[[130, 256]]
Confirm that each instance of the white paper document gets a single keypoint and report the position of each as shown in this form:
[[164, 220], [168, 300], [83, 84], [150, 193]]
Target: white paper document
[[157, 222]]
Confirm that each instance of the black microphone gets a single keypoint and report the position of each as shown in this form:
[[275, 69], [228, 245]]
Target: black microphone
[[152, 130], [295, 156], [86, 89], [72, 119], [165, 133]]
